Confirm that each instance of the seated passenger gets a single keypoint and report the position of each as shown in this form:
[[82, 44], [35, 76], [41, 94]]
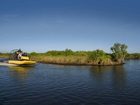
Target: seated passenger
[[19, 56]]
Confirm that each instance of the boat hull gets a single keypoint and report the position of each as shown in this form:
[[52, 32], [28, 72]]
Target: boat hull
[[22, 63]]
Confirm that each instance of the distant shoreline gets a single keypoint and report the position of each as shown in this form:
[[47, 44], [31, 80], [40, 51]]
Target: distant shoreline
[[81, 58], [72, 64]]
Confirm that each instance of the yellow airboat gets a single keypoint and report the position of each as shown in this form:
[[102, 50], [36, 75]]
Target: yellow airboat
[[19, 58]]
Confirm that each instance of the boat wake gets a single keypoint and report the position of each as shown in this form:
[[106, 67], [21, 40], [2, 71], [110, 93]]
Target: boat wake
[[6, 64]]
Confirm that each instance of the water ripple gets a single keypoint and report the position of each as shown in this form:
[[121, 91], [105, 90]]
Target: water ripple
[[70, 85]]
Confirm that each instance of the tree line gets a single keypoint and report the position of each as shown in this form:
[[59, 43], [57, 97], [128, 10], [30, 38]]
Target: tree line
[[119, 52]]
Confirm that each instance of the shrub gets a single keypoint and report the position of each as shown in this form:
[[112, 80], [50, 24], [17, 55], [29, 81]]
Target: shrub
[[99, 57]]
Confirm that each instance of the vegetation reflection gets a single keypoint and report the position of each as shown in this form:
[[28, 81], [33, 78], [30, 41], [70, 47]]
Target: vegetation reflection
[[20, 72], [115, 74]]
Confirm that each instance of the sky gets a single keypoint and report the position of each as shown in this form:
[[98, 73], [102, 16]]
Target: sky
[[42, 25]]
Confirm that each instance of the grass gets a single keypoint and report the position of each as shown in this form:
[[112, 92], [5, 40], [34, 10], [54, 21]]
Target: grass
[[60, 59], [69, 57], [71, 60], [4, 55]]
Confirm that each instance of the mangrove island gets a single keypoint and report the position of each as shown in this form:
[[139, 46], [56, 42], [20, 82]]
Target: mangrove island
[[95, 57]]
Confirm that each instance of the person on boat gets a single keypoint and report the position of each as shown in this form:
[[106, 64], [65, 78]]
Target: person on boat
[[19, 56]]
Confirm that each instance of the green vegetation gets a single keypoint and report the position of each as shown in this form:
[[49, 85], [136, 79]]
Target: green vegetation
[[133, 56], [99, 57], [61, 57], [119, 52], [4, 55], [96, 57]]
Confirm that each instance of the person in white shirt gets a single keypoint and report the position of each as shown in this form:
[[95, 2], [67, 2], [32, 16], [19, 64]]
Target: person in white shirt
[[19, 56]]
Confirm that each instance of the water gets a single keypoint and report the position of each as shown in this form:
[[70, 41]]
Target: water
[[47, 84]]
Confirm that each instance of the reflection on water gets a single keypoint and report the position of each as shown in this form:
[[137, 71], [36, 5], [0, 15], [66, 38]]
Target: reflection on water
[[119, 76], [19, 72], [47, 84], [99, 71], [116, 74]]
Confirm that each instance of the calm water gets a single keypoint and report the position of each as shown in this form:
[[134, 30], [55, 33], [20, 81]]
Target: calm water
[[71, 85]]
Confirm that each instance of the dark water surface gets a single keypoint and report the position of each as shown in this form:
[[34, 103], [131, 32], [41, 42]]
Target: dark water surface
[[71, 85]]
